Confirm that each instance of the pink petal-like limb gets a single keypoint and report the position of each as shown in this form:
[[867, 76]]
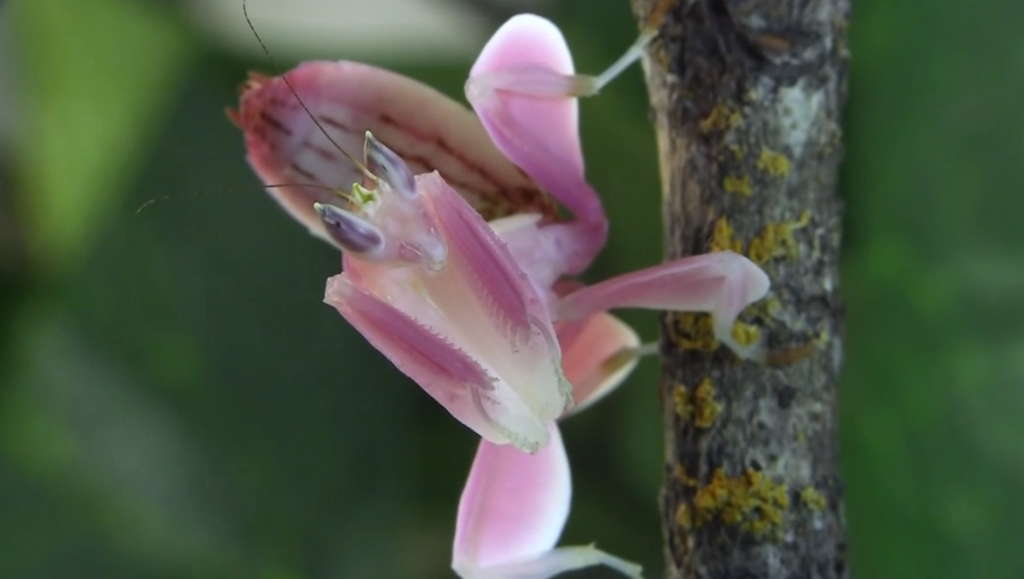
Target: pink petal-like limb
[[517, 120], [540, 135], [598, 354], [512, 512], [478, 306], [522, 87], [721, 283]]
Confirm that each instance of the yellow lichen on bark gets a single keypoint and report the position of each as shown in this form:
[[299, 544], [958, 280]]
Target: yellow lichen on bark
[[745, 334], [700, 406], [812, 499], [694, 332], [680, 473], [724, 237], [684, 517], [681, 400], [721, 118], [739, 184], [751, 501], [705, 408], [773, 162], [776, 240]]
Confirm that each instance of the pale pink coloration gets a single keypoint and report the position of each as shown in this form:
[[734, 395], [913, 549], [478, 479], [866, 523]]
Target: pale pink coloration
[[523, 88], [512, 512], [468, 311], [389, 223], [473, 333], [520, 86], [479, 315], [287, 146], [540, 135], [528, 57], [721, 283], [598, 354]]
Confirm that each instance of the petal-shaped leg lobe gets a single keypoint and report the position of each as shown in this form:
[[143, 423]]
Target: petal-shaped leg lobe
[[513, 510], [597, 355], [721, 283], [477, 306], [522, 86], [514, 505], [530, 42], [448, 374], [537, 130]]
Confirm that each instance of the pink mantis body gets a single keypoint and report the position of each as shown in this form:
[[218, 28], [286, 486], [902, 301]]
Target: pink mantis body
[[458, 269], [524, 148]]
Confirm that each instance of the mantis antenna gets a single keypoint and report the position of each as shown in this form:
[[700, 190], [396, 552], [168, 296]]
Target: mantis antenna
[[366, 172], [339, 192]]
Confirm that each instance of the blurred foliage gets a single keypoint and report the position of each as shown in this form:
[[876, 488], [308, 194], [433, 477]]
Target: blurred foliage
[[99, 77], [933, 386], [177, 402]]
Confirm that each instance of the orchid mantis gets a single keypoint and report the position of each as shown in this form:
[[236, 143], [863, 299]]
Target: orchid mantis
[[457, 267], [466, 309]]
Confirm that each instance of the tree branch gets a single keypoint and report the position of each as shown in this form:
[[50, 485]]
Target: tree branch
[[746, 98]]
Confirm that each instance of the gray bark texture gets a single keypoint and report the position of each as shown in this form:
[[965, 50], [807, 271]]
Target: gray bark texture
[[746, 97]]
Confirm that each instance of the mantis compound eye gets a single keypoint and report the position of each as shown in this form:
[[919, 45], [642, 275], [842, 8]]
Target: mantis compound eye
[[387, 165], [352, 232], [385, 228]]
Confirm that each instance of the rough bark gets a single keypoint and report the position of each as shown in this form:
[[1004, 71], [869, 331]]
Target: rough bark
[[746, 98]]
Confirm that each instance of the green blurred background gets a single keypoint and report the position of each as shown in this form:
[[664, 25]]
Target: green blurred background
[[176, 401]]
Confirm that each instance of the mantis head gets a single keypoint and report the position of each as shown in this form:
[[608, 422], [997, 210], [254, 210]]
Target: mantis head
[[386, 221]]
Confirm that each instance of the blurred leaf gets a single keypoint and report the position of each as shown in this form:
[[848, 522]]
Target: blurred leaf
[[931, 402], [99, 76], [105, 454]]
